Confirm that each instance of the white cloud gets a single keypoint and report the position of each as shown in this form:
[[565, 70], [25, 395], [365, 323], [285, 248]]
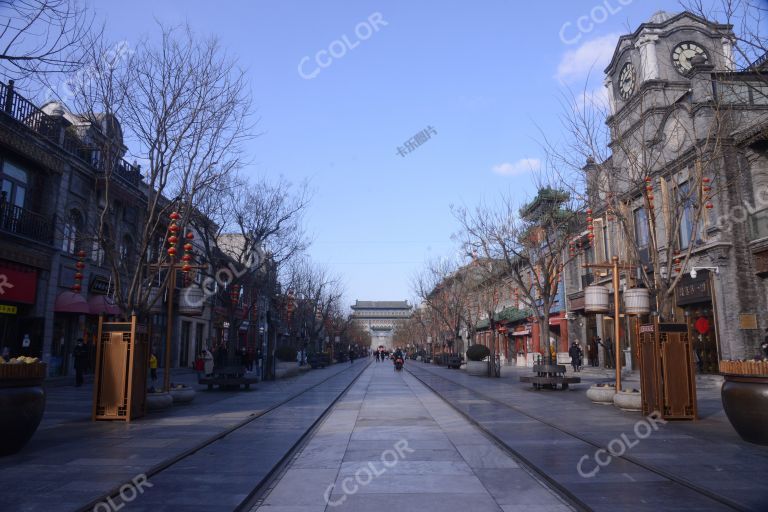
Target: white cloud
[[592, 56], [596, 99], [522, 166]]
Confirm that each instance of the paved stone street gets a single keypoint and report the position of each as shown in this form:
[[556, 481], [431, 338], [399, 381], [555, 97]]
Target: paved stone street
[[392, 444]]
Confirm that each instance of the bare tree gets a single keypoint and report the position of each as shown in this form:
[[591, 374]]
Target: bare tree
[[444, 289], [318, 299], [184, 108], [40, 38], [528, 244]]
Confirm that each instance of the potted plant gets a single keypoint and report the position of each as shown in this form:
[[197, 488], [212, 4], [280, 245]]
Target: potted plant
[[475, 364], [601, 393], [22, 401], [745, 398]]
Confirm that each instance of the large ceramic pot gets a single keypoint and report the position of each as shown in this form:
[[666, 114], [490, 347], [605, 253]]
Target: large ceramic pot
[[22, 403], [745, 401], [477, 368], [602, 395], [628, 400]]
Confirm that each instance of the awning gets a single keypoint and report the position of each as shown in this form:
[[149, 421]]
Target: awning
[[522, 333], [103, 305], [71, 302]]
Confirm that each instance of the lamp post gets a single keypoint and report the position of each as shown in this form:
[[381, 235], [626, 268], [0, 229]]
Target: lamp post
[[614, 266], [173, 266]]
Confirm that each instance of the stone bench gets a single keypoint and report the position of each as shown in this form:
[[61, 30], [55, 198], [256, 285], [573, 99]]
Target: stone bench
[[226, 381], [550, 375]]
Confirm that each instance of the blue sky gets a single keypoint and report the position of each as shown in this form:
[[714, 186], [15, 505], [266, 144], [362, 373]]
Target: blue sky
[[487, 76]]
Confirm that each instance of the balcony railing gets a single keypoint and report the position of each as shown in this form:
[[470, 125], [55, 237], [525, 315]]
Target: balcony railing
[[22, 222], [26, 113], [587, 279]]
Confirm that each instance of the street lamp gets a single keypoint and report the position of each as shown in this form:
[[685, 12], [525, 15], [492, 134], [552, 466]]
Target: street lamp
[[716, 270]]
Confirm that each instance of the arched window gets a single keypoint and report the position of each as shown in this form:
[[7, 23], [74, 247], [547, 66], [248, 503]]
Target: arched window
[[71, 233]]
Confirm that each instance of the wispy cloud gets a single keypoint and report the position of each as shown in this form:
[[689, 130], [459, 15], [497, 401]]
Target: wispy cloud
[[522, 166], [592, 55]]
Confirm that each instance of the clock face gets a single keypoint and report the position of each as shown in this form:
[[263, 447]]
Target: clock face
[[682, 55], [627, 81]]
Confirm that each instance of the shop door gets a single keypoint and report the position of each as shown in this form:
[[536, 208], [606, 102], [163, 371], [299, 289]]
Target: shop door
[[701, 322]]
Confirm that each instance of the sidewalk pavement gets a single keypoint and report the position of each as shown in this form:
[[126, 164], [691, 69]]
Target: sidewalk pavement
[[555, 430], [391, 444], [71, 460]]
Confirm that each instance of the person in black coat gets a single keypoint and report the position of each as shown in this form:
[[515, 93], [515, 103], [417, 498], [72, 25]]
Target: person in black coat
[[575, 353], [82, 357]]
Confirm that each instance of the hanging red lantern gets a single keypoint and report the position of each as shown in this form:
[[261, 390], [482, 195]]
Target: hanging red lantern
[[76, 288], [78, 276], [705, 180], [190, 235], [647, 179], [81, 254], [186, 268], [173, 239], [171, 251], [79, 265], [173, 228], [188, 247], [175, 216], [709, 206]]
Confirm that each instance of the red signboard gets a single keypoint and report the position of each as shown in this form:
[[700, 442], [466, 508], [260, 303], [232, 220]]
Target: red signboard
[[17, 285]]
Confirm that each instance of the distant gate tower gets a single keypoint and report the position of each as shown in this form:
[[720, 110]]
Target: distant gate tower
[[381, 318]]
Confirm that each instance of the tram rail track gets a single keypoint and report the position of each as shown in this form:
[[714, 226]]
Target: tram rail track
[[114, 493], [565, 491]]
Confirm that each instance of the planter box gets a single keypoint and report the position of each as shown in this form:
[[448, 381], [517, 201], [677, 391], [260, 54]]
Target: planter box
[[182, 395], [22, 402], [628, 401], [159, 401], [477, 368], [602, 395]]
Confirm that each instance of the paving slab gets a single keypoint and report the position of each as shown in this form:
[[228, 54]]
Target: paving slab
[[405, 450], [555, 430]]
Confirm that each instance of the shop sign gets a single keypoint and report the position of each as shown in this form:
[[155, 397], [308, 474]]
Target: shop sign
[[692, 291], [100, 284], [8, 310], [17, 285]]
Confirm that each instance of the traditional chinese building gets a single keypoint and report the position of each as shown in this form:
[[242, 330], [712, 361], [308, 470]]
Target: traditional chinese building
[[381, 318]]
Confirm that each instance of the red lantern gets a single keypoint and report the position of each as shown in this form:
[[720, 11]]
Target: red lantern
[[173, 228], [709, 206], [76, 288], [171, 251], [647, 179], [190, 235], [705, 180], [186, 257], [78, 276], [79, 265], [81, 254], [188, 247], [173, 239], [175, 216], [186, 268], [589, 211]]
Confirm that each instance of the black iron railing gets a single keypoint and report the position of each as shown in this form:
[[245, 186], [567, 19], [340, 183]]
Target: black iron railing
[[587, 279], [26, 113], [22, 222]]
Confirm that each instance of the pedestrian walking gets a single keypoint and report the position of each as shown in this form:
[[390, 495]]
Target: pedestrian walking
[[207, 362], [80, 353], [153, 368], [576, 353], [351, 356]]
